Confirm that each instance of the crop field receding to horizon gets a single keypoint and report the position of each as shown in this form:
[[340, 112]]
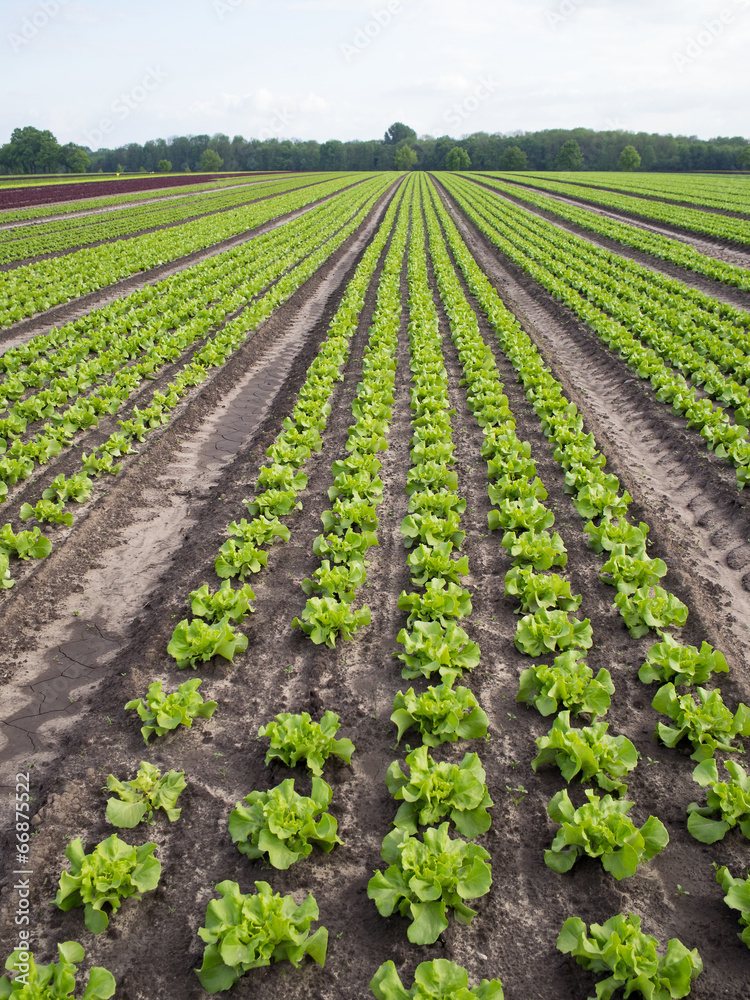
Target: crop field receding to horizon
[[375, 586]]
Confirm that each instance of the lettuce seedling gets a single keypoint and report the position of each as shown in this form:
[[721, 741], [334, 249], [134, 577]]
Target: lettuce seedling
[[76, 488], [600, 500], [602, 829], [426, 878], [223, 603], [297, 737], [348, 513], [650, 607], [112, 872], [669, 660], [246, 932], [26, 544], [326, 619], [588, 752], [56, 981], [46, 510], [515, 488], [433, 648], [95, 464], [540, 591], [728, 803], [5, 579], [337, 581], [539, 550], [239, 560], [549, 631], [434, 562], [284, 825], [344, 548], [610, 535], [197, 642], [630, 573], [518, 516], [441, 503], [429, 791], [146, 792], [281, 477], [737, 898], [442, 714], [259, 531], [620, 949], [440, 602], [708, 723], [432, 529], [273, 503], [162, 713], [436, 980], [571, 682]]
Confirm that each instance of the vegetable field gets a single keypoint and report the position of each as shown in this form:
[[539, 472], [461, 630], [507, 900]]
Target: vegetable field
[[375, 588]]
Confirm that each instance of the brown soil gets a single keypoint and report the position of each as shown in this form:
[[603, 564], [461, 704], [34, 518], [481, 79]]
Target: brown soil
[[87, 630]]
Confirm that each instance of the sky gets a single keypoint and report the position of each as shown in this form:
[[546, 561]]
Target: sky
[[108, 72]]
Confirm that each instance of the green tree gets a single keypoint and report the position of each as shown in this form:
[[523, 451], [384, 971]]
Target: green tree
[[514, 158], [211, 161], [630, 159], [75, 158], [398, 132], [457, 159], [405, 158], [570, 156], [164, 166], [743, 160], [31, 151]]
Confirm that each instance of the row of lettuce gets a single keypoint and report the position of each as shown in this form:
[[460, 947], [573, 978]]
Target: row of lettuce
[[182, 327], [36, 287], [21, 243], [659, 326]]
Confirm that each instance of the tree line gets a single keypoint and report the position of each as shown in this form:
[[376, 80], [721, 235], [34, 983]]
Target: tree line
[[32, 151]]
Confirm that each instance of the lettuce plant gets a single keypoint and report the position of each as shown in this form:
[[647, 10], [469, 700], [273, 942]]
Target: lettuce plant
[[549, 631], [162, 713], [26, 544], [325, 619], [436, 980], [587, 752], [249, 931], [239, 559], [518, 516], [728, 803], [442, 714], [433, 648], [427, 877], [76, 488], [146, 792], [284, 825], [440, 602], [259, 531], [669, 660], [570, 682], [273, 503], [112, 872], [707, 723], [344, 548], [432, 529], [612, 535], [650, 607], [297, 737], [47, 510], [5, 579], [338, 581], [197, 642], [440, 503], [429, 791], [540, 591], [223, 603], [629, 957], [629, 573], [56, 981], [537, 549], [508, 487], [428, 562], [602, 829], [737, 898]]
